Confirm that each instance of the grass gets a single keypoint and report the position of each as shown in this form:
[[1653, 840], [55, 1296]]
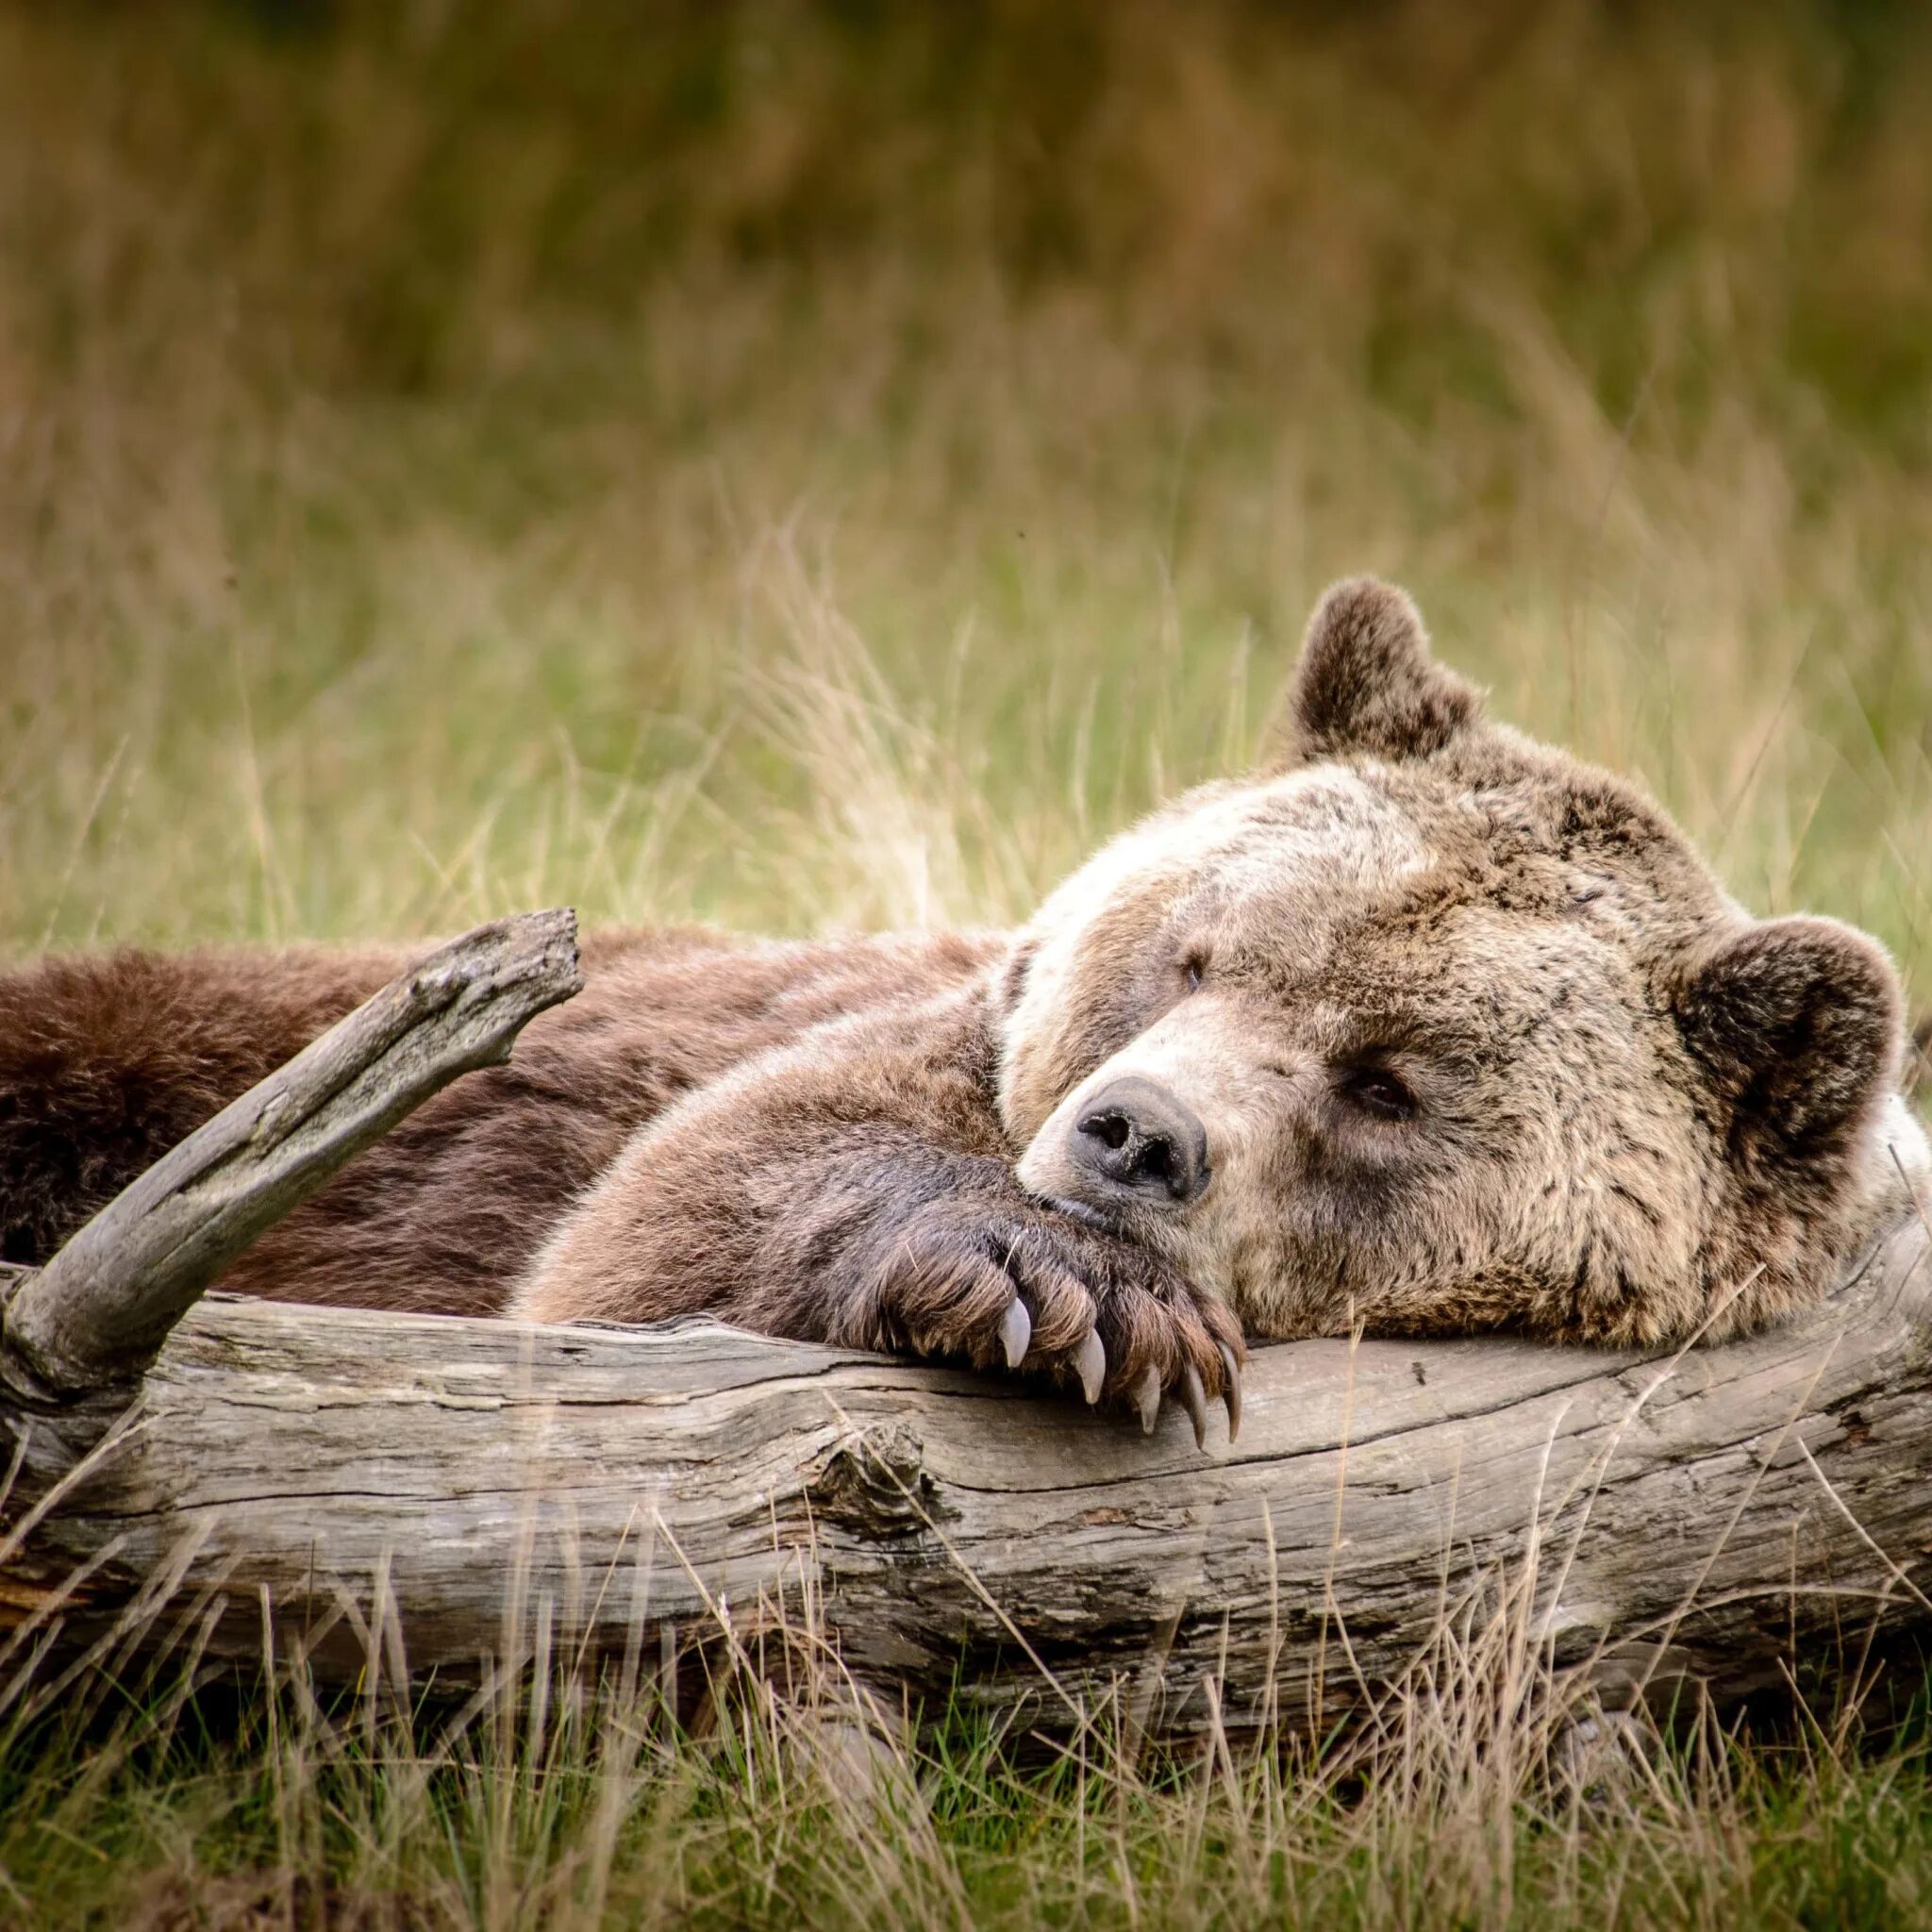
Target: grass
[[822, 466], [575, 1802]]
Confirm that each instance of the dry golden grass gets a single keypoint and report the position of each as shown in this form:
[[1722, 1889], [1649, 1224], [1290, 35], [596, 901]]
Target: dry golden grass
[[805, 474], [1484, 1790], [820, 466]]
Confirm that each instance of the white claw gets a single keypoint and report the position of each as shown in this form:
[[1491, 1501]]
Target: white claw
[[1194, 1400], [1016, 1332], [1090, 1365], [1146, 1398], [1231, 1389]]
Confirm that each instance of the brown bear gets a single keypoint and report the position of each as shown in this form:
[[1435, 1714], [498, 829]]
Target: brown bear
[[1421, 1026]]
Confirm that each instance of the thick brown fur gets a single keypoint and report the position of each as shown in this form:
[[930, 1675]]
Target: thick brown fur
[[1628, 1110], [107, 1061]]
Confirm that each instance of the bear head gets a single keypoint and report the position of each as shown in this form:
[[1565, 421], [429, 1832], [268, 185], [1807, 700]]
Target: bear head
[[1428, 1027]]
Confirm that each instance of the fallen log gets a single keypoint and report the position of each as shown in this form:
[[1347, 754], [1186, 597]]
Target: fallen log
[[449, 1498]]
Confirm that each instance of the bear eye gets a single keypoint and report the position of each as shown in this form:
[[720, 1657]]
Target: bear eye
[[1378, 1092], [1195, 969]]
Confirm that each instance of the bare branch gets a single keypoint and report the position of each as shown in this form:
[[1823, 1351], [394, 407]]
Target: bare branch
[[96, 1313]]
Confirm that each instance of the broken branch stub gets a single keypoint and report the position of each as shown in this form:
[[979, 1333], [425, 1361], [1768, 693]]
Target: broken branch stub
[[97, 1312]]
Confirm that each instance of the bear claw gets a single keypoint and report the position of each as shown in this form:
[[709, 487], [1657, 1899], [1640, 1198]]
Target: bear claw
[[1016, 1332], [1090, 1365], [1231, 1389], [1145, 1396], [1194, 1400]]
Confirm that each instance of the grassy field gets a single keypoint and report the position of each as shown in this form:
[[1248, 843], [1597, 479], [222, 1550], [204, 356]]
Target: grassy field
[[825, 466]]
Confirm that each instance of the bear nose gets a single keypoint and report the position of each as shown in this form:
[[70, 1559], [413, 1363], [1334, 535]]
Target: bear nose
[[1135, 1138]]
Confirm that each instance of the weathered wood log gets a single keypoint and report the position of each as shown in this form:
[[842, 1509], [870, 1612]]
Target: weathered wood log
[[97, 1312], [473, 1486], [451, 1497]]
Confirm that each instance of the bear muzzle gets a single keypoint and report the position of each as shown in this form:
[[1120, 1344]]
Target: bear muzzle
[[1134, 1142]]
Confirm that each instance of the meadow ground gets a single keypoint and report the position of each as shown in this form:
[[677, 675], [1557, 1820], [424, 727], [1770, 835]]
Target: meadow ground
[[808, 467]]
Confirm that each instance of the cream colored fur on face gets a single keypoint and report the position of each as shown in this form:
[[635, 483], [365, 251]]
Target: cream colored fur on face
[[1538, 955]]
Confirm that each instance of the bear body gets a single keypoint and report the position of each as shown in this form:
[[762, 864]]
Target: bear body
[[1422, 1027]]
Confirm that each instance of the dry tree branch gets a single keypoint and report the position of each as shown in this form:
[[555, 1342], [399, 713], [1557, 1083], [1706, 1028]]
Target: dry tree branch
[[96, 1313]]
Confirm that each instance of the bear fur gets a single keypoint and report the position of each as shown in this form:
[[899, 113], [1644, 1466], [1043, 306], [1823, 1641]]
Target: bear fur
[[1468, 1036]]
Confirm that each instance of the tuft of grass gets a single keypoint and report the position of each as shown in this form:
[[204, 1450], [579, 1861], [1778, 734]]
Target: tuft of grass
[[822, 465]]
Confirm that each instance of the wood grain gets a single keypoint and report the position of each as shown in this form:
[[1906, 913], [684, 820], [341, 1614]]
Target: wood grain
[[1701, 1512]]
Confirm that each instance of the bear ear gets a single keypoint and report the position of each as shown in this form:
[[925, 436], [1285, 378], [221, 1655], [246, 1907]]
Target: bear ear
[[1366, 685], [1797, 1024]]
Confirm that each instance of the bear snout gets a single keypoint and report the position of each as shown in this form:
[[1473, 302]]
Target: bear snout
[[1134, 1140]]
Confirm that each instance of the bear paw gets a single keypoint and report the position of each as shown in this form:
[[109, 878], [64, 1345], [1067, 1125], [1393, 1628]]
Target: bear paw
[[1022, 1286]]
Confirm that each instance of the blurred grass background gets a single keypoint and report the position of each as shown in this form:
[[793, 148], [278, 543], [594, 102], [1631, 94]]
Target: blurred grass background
[[808, 465], [814, 465]]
